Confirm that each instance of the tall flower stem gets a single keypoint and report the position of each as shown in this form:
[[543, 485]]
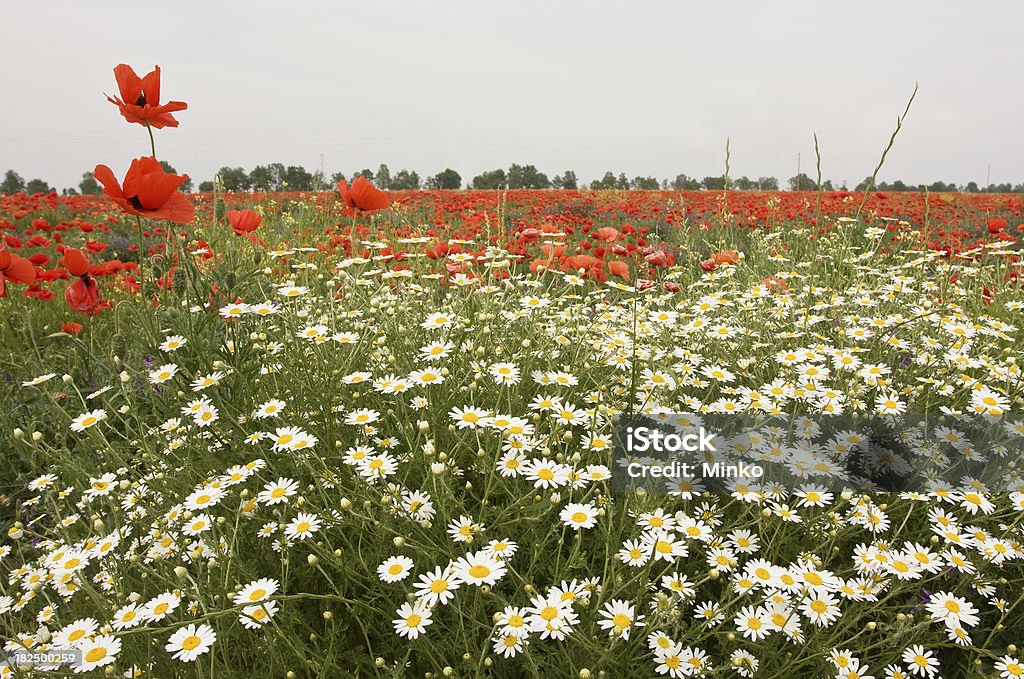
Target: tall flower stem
[[142, 257], [152, 142]]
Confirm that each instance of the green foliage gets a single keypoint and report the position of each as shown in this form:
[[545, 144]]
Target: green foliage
[[12, 183], [493, 179], [89, 186], [566, 180], [610, 182], [684, 182], [713, 183], [234, 179], [448, 179], [644, 184], [404, 180], [527, 177], [37, 186]]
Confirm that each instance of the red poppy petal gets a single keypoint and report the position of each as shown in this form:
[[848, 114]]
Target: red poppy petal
[[20, 270], [151, 87], [75, 262], [128, 83]]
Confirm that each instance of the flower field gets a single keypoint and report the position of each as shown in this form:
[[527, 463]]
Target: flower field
[[370, 434]]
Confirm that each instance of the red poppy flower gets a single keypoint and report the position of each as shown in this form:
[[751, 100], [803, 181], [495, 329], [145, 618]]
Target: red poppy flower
[[608, 233], [660, 258], [363, 195], [14, 268], [148, 191], [75, 262], [140, 98], [71, 328], [83, 295], [620, 269], [243, 222], [725, 257]]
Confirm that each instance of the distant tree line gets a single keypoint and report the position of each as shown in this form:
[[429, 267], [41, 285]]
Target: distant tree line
[[278, 177]]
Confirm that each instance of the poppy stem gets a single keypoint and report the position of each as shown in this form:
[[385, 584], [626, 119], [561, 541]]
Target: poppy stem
[[142, 257], [152, 142]]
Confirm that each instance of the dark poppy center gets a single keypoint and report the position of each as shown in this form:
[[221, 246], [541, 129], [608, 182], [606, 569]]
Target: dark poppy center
[[135, 202], [141, 101]]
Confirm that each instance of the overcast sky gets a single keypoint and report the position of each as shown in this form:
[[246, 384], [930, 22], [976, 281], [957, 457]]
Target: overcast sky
[[645, 88]]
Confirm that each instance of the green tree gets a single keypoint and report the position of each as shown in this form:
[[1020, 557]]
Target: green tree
[[605, 183], [802, 182], [622, 183], [447, 180], [383, 177], [261, 179], [37, 186], [12, 183], [234, 179], [337, 177], [645, 184], [767, 184], [745, 183], [206, 186], [863, 184], [297, 178], [493, 179], [404, 180], [527, 177], [366, 172], [713, 183], [566, 180], [684, 182], [972, 187], [89, 186]]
